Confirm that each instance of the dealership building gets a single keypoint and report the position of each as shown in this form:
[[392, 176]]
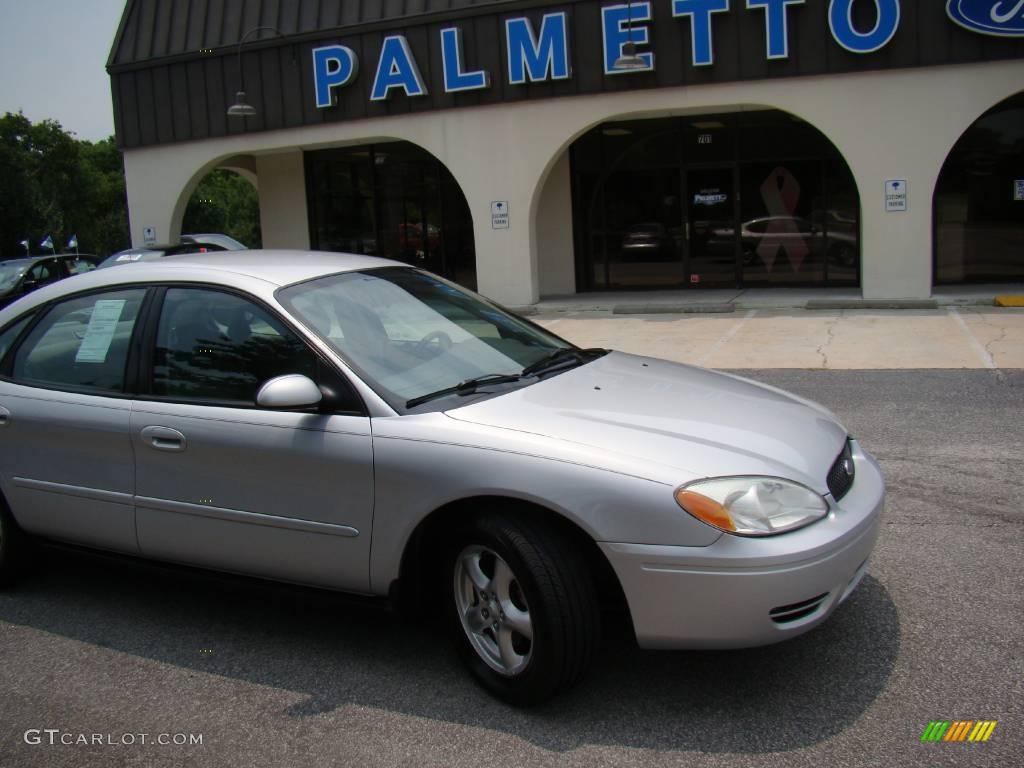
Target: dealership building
[[529, 148]]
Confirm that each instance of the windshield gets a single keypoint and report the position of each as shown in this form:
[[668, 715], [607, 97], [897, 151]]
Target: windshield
[[410, 334], [11, 272]]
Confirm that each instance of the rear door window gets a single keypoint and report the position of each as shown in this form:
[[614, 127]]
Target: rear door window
[[81, 343]]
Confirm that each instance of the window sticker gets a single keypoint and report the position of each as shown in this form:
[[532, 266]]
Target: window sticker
[[100, 332], [129, 257]]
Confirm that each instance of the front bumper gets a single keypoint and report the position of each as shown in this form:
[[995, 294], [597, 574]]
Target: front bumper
[[741, 592]]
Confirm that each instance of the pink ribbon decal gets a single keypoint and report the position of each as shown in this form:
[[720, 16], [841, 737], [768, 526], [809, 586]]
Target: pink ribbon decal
[[781, 193]]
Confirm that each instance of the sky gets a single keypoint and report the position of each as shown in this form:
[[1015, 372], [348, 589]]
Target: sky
[[53, 62]]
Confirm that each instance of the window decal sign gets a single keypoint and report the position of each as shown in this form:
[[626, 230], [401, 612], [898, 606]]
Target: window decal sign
[[1003, 18], [100, 332], [780, 192]]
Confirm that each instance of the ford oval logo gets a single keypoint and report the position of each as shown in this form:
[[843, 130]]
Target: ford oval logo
[[990, 17]]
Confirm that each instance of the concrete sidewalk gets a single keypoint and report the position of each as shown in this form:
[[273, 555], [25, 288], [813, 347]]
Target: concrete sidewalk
[[725, 300], [957, 335]]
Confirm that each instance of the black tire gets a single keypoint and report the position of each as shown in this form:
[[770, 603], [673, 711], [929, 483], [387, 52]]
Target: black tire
[[549, 584], [12, 546]]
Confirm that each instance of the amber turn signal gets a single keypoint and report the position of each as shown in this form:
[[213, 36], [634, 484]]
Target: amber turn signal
[[705, 509]]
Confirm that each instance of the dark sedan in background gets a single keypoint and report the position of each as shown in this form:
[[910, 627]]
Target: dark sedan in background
[[22, 276]]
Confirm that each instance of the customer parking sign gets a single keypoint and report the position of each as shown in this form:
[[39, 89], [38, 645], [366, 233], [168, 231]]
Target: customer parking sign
[[1018, 189]]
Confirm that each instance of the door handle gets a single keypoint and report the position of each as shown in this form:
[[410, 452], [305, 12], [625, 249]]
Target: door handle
[[164, 439], [5, 416]]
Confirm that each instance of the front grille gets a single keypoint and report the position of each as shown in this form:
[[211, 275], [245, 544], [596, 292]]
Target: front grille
[[787, 613], [840, 476]]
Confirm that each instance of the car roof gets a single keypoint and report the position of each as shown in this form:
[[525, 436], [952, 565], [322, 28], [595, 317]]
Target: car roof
[[262, 272], [277, 267]]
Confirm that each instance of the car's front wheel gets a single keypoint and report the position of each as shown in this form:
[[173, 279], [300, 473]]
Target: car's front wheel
[[523, 607]]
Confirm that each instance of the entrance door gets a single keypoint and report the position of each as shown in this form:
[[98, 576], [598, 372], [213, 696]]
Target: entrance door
[[711, 254]]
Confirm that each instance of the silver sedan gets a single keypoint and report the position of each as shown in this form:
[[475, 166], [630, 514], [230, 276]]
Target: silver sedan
[[357, 424]]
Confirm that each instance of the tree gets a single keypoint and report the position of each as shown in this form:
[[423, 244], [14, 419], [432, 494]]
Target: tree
[[225, 202], [53, 184]]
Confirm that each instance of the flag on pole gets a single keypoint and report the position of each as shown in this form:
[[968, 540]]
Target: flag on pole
[[47, 242], [24, 244], [73, 242]]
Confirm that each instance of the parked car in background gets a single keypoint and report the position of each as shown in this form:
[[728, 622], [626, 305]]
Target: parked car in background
[[215, 240], [203, 243], [22, 276], [647, 241], [357, 424]]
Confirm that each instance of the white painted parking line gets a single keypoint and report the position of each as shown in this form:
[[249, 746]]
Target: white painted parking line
[[986, 358], [726, 338]]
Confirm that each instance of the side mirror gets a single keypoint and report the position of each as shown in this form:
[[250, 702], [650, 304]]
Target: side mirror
[[293, 390]]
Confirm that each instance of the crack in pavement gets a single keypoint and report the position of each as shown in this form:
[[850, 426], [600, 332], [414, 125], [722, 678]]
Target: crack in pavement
[[831, 329]]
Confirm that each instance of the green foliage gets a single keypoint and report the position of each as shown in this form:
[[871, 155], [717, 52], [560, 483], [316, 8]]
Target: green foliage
[[53, 184], [225, 202]]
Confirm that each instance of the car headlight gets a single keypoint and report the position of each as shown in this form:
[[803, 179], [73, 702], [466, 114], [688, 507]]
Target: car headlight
[[752, 506]]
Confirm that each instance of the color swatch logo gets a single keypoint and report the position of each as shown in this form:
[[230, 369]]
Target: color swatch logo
[[959, 730]]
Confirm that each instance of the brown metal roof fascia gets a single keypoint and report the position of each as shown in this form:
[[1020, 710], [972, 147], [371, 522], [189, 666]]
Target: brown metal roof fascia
[[485, 8], [116, 45]]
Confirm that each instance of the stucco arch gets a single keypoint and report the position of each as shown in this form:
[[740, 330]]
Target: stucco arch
[[961, 131]]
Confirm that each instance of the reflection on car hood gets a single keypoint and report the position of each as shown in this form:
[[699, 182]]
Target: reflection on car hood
[[689, 421]]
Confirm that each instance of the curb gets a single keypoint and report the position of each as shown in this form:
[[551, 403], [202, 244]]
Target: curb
[[672, 309], [872, 304]]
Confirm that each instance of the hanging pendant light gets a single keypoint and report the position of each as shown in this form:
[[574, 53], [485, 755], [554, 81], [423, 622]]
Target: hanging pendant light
[[630, 59], [241, 107]]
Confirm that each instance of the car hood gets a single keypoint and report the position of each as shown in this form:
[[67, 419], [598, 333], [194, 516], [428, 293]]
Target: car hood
[[678, 422]]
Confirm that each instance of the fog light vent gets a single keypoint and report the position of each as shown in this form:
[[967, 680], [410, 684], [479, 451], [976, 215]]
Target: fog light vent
[[784, 614]]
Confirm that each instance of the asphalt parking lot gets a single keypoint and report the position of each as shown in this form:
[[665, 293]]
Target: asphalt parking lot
[[270, 675]]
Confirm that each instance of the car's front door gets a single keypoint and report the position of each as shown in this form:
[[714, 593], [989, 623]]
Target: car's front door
[[225, 484]]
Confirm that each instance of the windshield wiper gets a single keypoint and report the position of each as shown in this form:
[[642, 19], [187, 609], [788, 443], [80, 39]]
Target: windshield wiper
[[465, 387], [561, 357]]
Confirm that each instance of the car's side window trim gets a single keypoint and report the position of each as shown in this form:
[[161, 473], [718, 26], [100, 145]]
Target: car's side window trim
[[144, 370], [139, 350]]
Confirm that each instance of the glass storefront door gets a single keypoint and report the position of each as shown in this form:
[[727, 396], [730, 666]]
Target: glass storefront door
[[710, 227], [754, 198]]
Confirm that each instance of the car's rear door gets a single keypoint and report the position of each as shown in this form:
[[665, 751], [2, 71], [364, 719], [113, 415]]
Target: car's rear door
[[66, 464], [224, 484]]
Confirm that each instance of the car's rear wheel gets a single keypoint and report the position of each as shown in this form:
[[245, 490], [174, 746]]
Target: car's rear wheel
[[523, 607]]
